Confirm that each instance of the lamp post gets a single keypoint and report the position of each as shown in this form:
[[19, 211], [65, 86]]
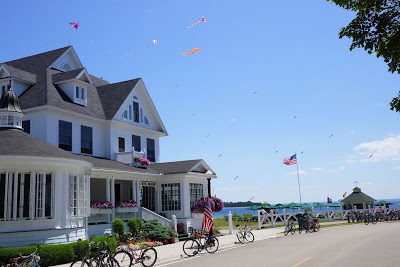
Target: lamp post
[[209, 173]]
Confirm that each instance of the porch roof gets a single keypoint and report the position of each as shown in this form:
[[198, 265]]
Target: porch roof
[[175, 167]]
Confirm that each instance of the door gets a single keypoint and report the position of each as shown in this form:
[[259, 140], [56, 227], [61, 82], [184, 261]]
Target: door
[[117, 189], [148, 200]]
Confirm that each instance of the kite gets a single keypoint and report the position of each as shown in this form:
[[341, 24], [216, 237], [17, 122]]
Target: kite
[[203, 19], [155, 42], [276, 150], [195, 50], [255, 92], [345, 193], [236, 178], [194, 114], [220, 155], [74, 25], [295, 116], [208, 136], [370, 156], [331, 135], [252, 198]]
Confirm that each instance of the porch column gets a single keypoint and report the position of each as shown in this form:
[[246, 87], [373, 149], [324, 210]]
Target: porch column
[[6, 197], [185, 200], [134, 191], [138, 193], [108, 190], [113, 197], [15, 196], [32, 196]]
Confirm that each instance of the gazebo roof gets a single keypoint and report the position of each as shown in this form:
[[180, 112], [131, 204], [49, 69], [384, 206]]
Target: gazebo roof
[[357, 197]]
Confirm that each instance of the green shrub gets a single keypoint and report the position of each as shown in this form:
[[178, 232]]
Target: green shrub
[[7, 253], [111, 241], [156, 231], [135, 225], [80, 248], [118, 226], [56, 254]]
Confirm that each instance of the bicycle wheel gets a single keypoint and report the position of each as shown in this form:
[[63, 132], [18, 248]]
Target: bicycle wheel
[[317, 226], [124, 258], [108, 261], [249, 236], [191, 247], [80, 263], [240, 237], [212, 245], [94, 262], [287, 230], [366, 221], [148, 257]]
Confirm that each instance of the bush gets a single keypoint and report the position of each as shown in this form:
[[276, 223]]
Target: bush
[[135, 226], [111, 241], [118, 226], [156, 231], [56, 254]]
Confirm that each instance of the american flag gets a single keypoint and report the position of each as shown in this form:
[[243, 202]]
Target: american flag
[[290, 161], [208, 221]]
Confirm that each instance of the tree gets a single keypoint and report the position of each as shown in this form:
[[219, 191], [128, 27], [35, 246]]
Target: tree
[[376, 28]]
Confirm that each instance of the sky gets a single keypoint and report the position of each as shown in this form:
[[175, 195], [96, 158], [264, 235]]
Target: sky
[[261, 64]]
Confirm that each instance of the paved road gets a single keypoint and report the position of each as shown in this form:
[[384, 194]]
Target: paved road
[[353, 245]]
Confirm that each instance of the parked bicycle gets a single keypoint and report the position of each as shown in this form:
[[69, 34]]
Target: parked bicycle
[[32, 260], [244, 234], [200, 241], [127, 256], [106, 258], [91, 248], [290, 228]]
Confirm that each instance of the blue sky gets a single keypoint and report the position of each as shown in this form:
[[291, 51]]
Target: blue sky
[[286, 51]]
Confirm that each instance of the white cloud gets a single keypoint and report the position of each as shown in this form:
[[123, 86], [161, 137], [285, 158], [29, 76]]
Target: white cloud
[[352, 132], [233, 120], [295, 173], [386, 149], [338, 169], [396, 168], [316, 169]]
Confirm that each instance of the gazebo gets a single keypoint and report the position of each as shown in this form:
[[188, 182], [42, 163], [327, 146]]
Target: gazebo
[[358, 200]]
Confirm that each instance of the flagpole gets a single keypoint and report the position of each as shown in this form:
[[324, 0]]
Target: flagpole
[[298, 176]]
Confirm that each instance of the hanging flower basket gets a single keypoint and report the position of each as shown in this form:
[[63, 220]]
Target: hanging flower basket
[[142, 161], [101, 207], [216, 204], [127, 206]]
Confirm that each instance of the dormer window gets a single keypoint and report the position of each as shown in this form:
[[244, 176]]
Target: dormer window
[[125, 114], [80, 95], [77, 92], [136, 114]]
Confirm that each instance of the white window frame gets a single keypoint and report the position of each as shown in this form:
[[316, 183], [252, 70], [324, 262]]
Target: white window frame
[[171, 193], [196, 192]]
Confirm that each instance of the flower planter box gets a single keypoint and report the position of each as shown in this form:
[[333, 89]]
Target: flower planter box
[[100, 211], [126, 209]]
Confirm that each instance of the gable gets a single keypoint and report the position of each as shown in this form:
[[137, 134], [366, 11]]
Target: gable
[[148, 114], [68, 61]]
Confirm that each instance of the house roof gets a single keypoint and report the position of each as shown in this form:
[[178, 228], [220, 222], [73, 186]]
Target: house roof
[[108, 93], [357, 197], [15, 142], [65, 76], [20, 74], [175, 166]]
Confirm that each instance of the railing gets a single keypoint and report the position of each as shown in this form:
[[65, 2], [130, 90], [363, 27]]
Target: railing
[[127, 157], [272, 218], [147, 215]]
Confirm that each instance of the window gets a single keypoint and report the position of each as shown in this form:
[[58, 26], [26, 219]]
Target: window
[[78, 195], [77, 92], [170, 197], [65, 135], [73, 195], [83, 93], [26, 125], [86, 139], [130, 112], [146, 121], [125, 114], [151, 151], [136, 143], [10, 120], [135, 111], [196, 192], [121, 144]]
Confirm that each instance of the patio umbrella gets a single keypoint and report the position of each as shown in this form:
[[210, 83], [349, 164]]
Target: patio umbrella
[[307, 206], [320, 205], [335, 205], [254, 207], [266, 206], [294, 205], [383, 202]]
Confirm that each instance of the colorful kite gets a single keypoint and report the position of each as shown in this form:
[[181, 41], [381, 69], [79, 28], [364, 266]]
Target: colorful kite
[[208, 136], [220, 156], [331, 135], [276, 150], [255, 92], [252, 198], [370, 156], [236, 178], [155, 42], [195, 50], [295, 116], [74, 25], [203, 19], [345, 193]]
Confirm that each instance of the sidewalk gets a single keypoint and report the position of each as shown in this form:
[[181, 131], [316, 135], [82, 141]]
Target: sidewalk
[[173, 252]]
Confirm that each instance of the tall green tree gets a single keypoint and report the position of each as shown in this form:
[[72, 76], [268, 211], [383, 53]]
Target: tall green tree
[[376, 29]]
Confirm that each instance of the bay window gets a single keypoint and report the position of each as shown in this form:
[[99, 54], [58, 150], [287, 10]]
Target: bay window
[[170, 197]]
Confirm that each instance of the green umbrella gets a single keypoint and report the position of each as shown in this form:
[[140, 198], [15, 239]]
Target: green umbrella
[[307, 206], [320, 205], [294, 205], [254, 207], [335, 205], [278, 206], [383, 202]]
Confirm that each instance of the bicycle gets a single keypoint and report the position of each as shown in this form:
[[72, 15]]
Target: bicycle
[[290, 228], [127, 255], [200, 241], [106, 259], [244, 234], [32, 260], [86, 259]]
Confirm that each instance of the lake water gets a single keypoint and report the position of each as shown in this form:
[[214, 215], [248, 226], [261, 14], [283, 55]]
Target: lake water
[[243, 210]]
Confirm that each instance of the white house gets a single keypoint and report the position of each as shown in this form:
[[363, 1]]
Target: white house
[[68, 138]]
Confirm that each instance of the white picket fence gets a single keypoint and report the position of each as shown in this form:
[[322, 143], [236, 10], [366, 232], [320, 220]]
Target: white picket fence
[[272, 218]]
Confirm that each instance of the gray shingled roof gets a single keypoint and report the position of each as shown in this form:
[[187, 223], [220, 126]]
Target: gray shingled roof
[[16, 142], [175, 166], [20, 74], [113, 95], [65, 76], [357, 197]]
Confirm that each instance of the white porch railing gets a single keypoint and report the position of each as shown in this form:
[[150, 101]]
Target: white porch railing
[[147, 215], [127, 157], [272, 218]]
